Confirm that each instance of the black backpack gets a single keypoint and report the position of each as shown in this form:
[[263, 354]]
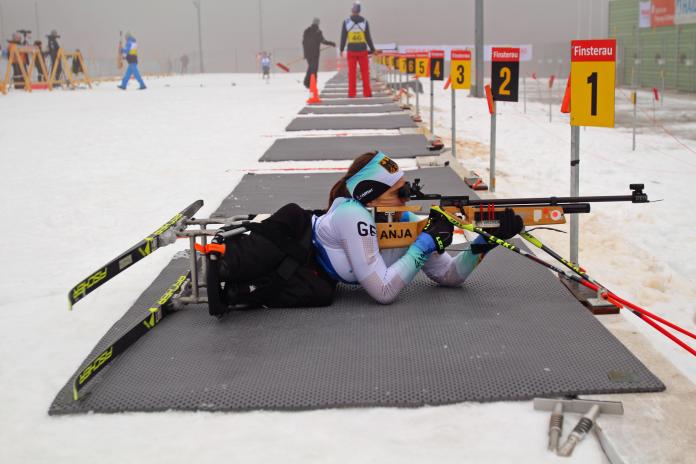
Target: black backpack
[[273, 266]]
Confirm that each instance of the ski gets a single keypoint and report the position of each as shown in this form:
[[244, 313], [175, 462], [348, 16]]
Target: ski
[[158, 311], [134, 254]]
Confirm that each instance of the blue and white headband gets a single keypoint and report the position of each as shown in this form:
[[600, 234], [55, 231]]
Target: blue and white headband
[[376, 177]]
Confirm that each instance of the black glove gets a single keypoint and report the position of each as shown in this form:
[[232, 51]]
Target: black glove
[[333, 44], [510, 225], [440, 229]]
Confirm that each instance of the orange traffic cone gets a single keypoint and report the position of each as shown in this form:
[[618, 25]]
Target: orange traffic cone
[[314, 98]]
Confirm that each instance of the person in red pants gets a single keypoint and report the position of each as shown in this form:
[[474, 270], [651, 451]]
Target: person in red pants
[[355, 34]]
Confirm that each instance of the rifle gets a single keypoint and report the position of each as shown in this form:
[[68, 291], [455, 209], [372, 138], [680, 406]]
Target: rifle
[[119, 53], [286, 66], [485, 214]]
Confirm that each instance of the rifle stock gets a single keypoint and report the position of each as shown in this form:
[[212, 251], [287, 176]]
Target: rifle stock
[[486, 213]]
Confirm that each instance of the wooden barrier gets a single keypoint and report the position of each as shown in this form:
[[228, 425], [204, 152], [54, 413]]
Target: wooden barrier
[[29, 58]]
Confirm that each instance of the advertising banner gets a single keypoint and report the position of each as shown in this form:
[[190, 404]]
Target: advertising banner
[[644, 14], [662, 13], [685, 12]]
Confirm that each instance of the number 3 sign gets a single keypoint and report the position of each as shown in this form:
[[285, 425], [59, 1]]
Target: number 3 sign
[[460, 72], [505, 73], [592, 72]]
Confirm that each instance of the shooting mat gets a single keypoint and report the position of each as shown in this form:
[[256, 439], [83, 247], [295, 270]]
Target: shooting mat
[[347, 148], [356, 101], [328, 94], [511, 332], [388, 108], [390, 121]]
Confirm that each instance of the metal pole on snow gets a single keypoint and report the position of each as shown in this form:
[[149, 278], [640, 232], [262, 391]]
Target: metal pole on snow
[[574, 190], [454, 123], [432, 103], [478, 89]]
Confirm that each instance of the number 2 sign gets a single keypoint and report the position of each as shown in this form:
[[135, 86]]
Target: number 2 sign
[[505, 73], [593, 74]]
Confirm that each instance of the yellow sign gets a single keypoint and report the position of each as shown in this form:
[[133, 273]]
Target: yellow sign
[[592, 82], [402, 63], [422, 65], [460, 70]]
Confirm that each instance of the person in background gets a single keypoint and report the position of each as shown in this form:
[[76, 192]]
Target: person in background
[[17, 77], [355, 31], [130, 53], [265, 66], [312, 39], [184, 63], [53, 47], [39, 47]]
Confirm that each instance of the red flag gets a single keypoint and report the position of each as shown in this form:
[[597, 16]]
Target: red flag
[[656, 94], [489, 97], [565, 106]]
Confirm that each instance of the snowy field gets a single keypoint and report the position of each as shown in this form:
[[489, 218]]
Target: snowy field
[[86, 174], [641, 252]]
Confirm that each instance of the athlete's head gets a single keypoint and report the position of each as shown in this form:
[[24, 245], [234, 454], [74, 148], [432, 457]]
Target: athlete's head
[[356, 8], [370, 176]]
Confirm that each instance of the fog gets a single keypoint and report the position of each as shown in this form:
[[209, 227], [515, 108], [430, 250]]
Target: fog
[[234, 31]]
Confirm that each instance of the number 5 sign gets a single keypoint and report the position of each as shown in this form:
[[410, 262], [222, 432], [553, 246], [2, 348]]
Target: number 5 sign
[[422, 64], [593, 72], [460, 71], [505, 73]]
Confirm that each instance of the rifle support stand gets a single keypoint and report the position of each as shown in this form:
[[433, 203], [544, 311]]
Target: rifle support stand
[[589, 408], [590, 299]]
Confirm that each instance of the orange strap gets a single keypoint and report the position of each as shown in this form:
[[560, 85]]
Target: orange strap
[[211, 248]]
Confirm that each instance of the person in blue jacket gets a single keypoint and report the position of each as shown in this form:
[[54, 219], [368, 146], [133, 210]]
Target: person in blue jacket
[[130, 53]]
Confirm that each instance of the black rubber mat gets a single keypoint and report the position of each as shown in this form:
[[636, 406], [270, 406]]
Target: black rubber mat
[[511, 332], [347, 148], [314, 109], [356, 101], [344, 94], [392, 121]]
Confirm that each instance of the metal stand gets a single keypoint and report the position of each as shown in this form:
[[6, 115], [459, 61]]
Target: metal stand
[[432, 103], [524, 93], [574, 189], [491, 181], [417, 117], [635, 117], [236, 222], [454, 123]]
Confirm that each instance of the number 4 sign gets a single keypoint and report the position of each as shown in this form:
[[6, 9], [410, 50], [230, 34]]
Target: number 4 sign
[[505, 73], [437, 63], [593, 72]]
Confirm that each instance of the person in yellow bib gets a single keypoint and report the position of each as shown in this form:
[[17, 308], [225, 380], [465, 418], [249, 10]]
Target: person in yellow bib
[[355, 36]]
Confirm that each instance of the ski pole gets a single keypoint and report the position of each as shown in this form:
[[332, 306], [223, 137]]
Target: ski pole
[[597, 287], [608, 295]]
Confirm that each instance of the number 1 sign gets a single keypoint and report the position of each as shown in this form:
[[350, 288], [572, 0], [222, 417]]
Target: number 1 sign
[[593, 73]]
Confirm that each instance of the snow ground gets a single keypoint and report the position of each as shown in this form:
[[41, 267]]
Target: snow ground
[[86, 174], [641, 252]]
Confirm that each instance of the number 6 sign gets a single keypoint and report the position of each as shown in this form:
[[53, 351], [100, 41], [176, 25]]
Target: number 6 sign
[[593, 72], [505, 73]]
